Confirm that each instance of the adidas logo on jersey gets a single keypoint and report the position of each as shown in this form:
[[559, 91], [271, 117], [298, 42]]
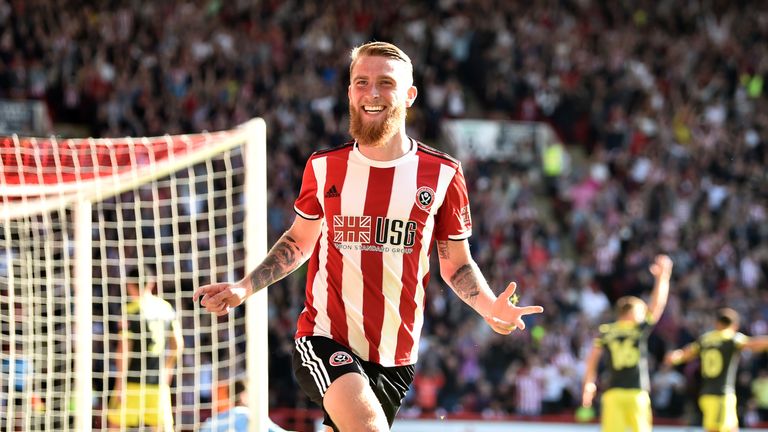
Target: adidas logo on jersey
[[332, 192]]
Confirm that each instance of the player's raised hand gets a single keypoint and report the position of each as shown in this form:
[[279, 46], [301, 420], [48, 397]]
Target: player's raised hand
[[220, 298], [662, 266], [505, 315]]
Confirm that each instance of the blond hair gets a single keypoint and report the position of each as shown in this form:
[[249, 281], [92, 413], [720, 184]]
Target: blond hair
[[728, 317], [627, 304], [380, 49]]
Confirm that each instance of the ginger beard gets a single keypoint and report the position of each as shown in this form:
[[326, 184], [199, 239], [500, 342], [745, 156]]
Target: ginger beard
[[375, 132]]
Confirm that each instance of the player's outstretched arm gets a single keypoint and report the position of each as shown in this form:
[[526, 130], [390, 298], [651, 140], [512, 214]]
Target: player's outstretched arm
[[589, 388], [461, 273], [681, 355], [662, 271], [287, 254], [757, 343]]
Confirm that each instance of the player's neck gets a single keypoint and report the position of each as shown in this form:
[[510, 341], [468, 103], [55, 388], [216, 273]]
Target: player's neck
[[396, 147]]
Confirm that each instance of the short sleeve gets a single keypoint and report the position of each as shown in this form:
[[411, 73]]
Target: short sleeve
[[740, 339], [307, 204], [598, 341], [695, 347], [453, 220]]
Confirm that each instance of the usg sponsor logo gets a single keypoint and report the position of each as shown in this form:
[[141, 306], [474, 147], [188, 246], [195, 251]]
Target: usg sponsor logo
[[358, 229]]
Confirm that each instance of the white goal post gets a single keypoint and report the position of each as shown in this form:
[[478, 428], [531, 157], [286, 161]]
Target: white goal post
[[75, 216]]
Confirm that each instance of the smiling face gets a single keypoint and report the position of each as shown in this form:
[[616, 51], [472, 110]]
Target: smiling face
[[380, 90]]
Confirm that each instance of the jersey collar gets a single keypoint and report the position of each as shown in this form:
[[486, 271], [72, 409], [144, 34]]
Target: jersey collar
[[357, 154]]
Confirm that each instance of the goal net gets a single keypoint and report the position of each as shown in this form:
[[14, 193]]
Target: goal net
[[76, 216]]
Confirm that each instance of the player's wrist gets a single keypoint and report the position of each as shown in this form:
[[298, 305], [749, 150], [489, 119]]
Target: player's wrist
[[246, 285]]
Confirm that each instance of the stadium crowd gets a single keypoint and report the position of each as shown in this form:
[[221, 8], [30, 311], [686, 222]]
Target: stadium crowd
[[660, 104]]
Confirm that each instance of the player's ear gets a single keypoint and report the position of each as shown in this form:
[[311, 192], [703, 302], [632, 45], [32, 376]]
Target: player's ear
[[411, 96]]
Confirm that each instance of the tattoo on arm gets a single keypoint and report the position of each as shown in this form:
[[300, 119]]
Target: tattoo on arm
[[442, 250], [284, 257], [464, 282]]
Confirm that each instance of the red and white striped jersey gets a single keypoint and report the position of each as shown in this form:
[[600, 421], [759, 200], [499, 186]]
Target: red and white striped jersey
[[369, 269], [529, 391]]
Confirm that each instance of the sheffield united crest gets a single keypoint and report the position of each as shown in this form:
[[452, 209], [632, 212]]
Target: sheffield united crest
[[425, 196], [340, 358]]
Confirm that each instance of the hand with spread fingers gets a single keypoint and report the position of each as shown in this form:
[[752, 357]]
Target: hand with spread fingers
[[220, 298], [506, 316]]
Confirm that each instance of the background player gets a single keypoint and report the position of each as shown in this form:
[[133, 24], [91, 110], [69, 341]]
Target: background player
[[150, 340], [626, 402], [368, 213], [719, 353]]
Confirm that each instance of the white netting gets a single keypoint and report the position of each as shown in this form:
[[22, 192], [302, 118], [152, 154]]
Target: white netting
[[173, 203]]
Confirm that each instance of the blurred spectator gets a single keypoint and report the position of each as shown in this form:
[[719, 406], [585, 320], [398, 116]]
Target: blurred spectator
[[555, 380], [235, 417], [232, 417], [427, 383], [529, 384], [667, 387]]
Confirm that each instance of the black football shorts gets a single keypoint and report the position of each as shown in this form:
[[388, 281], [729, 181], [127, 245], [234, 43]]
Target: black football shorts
[[318, 361]]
